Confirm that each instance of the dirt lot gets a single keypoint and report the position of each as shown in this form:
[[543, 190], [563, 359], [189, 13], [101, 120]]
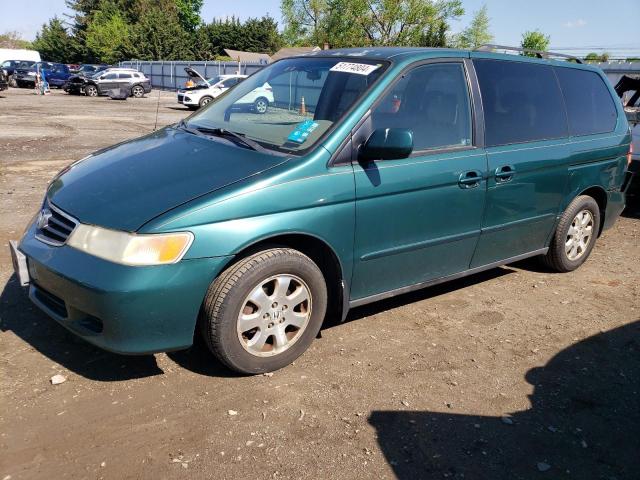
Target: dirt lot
[[515, 373]]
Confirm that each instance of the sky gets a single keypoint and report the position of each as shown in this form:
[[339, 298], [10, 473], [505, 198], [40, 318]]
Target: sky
[[575, 26]]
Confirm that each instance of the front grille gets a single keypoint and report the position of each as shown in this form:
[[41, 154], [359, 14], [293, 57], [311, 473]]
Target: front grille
[[49, 300], [53, 226]]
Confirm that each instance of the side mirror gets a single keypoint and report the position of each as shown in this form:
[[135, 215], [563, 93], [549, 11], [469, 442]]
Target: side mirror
[[387, 144]]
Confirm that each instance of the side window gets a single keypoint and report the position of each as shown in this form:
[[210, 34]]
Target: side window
[[521, 101], [433, 102], [229, 82], [124, 75], [589, 103], [109, 76]]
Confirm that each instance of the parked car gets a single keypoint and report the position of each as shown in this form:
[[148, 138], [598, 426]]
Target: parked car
[[56, 74], [206, 90], [100, 83], [392, 176], [75, 84], [10, 66], [628, 89]]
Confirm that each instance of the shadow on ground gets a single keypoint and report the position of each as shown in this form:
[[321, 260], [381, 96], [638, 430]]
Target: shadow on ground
[[20, 316], [584, 423]]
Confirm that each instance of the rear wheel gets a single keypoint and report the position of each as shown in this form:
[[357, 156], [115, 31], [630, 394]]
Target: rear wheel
[[137, 91], [575, 235], [205, 100], [91, 91], [263, 312]]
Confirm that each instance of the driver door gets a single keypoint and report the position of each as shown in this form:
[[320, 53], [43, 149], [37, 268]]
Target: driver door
[[419, 218]]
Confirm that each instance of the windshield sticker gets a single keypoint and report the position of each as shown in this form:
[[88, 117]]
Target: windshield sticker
[[302, 131], [357, 68]]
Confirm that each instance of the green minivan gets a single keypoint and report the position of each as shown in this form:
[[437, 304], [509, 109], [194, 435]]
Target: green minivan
[[373, 172]]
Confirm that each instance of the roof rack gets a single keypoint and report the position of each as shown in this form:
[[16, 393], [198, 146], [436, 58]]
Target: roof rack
[[488, 47]]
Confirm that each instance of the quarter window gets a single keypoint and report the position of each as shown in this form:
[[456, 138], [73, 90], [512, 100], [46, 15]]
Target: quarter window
[[589, 104], [433, 102], [521, 101]]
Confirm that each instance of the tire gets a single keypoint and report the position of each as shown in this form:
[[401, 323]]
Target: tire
[[261, 105], [205, 101], [228, 300], [91, 91], [13, 82], [580, 220], [137, 91]]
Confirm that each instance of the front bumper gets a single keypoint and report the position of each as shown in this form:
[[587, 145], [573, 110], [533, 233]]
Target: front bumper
[[123, 309]]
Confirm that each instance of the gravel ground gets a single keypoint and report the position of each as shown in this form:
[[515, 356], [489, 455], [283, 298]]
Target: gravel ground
[[513, 373]]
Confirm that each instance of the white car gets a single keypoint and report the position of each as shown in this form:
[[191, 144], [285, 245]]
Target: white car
[[206, 90]]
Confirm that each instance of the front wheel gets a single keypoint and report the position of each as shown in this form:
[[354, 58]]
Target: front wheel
[[263, 312], [204, 101], [13, 82], [91, 91], [575, 235]]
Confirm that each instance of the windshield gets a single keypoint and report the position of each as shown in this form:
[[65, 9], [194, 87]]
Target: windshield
[[214, 80], [289, 105]]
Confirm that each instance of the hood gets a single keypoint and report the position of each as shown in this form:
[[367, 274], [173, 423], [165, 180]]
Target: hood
[[195, 76], [125, 186]]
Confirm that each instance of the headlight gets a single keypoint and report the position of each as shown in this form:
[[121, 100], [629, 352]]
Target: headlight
[[128, 248], [31, 74]]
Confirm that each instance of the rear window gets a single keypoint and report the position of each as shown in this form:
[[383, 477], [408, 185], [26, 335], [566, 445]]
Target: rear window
[[589, 104], [521, 101]]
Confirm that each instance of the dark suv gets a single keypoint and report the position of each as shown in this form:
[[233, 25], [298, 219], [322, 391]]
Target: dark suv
[[56, 74], [117, 78]]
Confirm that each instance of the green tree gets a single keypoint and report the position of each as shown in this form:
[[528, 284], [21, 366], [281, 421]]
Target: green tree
[[189, 13], [592, 57], [633, 59], [108, 36], [368, 22], [477, 33], [13, 40], [260, 35], [304, 21], [158, 35], [535, 40], [53, 42]]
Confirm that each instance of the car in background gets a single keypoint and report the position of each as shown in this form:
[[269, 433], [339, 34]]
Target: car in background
[[56, 74], [207, 90], [10, 66], [75, 84], [112, 78], [628, 89]]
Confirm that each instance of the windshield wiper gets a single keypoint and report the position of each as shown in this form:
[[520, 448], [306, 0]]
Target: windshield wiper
[[182, 125], [221, 132], [239, 137]]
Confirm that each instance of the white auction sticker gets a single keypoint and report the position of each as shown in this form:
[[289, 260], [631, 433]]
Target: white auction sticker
[[357, 68]]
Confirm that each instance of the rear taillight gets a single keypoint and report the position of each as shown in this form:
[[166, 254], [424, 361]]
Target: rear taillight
[[629, 155]]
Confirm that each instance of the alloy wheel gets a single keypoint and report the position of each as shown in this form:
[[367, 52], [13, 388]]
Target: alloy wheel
[[579, 235], [274, 315]]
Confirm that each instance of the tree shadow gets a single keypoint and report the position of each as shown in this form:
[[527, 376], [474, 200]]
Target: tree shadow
[[584, 423], [20, 316]]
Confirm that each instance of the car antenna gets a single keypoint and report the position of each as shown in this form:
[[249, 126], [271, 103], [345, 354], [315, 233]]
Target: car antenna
[[155, 126]]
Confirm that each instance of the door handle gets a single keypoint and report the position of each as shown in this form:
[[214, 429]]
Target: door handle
[[470, 179], [505, 173]]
